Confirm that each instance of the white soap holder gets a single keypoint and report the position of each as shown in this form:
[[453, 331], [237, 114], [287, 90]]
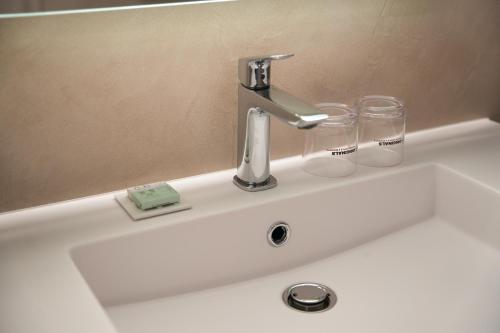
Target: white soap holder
[[137, 214]]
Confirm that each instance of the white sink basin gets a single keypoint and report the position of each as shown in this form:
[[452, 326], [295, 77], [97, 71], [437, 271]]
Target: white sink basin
[[417, 250]]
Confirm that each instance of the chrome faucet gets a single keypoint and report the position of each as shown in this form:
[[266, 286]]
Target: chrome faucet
[[257, 99]]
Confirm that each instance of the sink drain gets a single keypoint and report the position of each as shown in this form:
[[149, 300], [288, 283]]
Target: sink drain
[[309, 297]]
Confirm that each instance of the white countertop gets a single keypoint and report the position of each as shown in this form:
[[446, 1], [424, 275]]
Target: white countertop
[[41, 290]]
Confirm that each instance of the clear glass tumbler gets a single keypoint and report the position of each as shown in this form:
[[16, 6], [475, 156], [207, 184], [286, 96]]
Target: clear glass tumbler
[[381, 130], [330, 148]]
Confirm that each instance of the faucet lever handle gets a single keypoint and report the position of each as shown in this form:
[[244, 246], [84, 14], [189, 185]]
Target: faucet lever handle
[[255, 72], [279, 56]]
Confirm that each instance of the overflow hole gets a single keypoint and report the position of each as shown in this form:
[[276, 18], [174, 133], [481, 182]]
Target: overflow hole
[[278, 234]]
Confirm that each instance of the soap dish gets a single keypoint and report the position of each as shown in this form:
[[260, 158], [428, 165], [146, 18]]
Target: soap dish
[[138, 214]]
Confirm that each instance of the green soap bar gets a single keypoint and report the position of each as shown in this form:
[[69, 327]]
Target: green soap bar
[[155, 197]]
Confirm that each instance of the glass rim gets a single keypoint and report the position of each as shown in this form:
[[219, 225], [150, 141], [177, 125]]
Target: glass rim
[[396, 105], [348, 114]]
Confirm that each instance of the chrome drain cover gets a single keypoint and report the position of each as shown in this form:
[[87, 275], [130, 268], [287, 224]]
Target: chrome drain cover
[[309, 297]]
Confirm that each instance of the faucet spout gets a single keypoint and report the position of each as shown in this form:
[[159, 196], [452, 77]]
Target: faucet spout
[[284, 106]]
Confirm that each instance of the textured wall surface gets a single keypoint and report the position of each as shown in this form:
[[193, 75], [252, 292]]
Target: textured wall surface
[[95, 102]]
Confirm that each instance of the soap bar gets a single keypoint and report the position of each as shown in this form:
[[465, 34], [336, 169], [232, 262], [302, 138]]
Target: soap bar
[[153, 195]]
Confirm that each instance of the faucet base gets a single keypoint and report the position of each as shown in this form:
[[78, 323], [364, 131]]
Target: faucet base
[[269, 183]]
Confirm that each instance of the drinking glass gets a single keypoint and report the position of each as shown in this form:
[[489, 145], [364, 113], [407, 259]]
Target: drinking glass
[[381, 130], [330, 148]]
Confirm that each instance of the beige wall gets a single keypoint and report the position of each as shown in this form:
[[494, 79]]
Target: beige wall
[[91, 103]]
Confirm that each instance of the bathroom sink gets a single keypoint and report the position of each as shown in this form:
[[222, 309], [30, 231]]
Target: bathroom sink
[[413, 250]]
